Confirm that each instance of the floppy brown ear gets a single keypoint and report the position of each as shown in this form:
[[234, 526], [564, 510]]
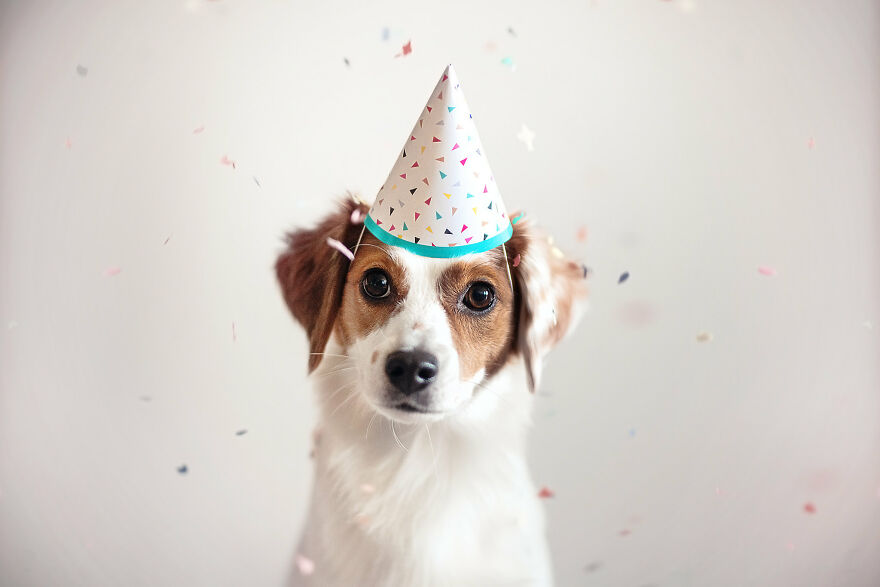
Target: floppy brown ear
[[312, 274], [550, 295]]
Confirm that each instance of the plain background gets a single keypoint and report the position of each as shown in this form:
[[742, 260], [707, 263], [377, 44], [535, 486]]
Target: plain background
[[696, 141]]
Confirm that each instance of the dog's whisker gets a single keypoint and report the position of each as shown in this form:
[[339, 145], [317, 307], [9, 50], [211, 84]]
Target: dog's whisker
[[343, 402], [335, 371], [338, 389], [396, 438], [431, 444], [370, 424], [331, 355]]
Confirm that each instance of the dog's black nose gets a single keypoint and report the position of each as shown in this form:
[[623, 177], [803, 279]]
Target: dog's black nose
[[410, 371]]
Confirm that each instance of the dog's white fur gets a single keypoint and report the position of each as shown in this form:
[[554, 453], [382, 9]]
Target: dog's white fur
[[414, 500]]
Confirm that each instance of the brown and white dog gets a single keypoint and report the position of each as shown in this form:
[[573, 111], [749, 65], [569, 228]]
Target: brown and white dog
[[423, 369]]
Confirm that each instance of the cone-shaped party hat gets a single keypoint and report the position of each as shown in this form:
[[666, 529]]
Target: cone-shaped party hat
[[440, 199]]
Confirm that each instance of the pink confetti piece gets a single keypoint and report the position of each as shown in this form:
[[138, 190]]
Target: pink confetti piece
[[790, 546], [166, 241], [305, 565], [233, 332], [811, 143], [224, 160], [112, 271], [340, 247], [198, 130], [545, 493], [357, 216], [810, 508], [625, 532], [68, 143], [406, 50], [517, 260], [768, 271], [582, 234]]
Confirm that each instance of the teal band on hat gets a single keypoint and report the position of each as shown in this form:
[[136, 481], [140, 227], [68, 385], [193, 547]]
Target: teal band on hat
[[438, 252]]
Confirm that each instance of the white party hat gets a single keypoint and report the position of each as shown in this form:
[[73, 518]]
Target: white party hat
[[440, 199]]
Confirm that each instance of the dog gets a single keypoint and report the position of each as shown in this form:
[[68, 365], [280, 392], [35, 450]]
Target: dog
[[423, 370]]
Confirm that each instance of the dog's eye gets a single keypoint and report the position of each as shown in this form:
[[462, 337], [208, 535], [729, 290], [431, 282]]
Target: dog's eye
[[479, 297], [376, 284]]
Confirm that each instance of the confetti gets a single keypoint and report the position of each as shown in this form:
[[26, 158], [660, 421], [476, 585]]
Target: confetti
[[623, 277], [526, 136], [581, 234], [811, 143], [367, 488], [518, 218], [112, 271], [241, 432], [256, 181], [510, 30], [357, 216], [545, 493], [407, 49], [625, 532], [587, 271], [233, 332], [810, 508], [632, 432], [593, 567], [305, 565], [790, 546], [183, 469], [704, 337], [82, 70], [340, 247], [68, 143], [224, 160], [386, 33], [198, 130], [768, 271], [516, 260], [508, 61], [166, 241], [347, 62], [491, 46], [146, 398]]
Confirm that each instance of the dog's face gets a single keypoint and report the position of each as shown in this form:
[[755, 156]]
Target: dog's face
[[424, 336]]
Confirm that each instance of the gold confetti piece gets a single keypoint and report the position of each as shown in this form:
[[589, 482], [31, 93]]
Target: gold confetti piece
[[704, 337]]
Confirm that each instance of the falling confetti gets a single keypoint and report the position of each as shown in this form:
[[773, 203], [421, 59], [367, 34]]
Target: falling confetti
[[305, 565], [581, 234], [508, 61], [340, 247], [224, 160], [704, 337], [587, 271], [625, 532], [811, 143], [112, 271], [511, 31], [809, 508], [357, 216], [386, 33], [68, 143], [347, 62], [623, 277], [593, 567], [516, 260], [146, 398], [166, 241], [406, 50], [632, 432], [545, 493], [526, 136], [768, 271], [233, 332], [241, 432], [256, 181], [198, 130], [183, 469], [82, 70]]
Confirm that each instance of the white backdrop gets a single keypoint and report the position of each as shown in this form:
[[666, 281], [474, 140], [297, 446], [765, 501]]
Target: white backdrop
[[696, 141]]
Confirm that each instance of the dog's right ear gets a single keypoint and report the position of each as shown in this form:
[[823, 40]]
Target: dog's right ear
[[312, 274]]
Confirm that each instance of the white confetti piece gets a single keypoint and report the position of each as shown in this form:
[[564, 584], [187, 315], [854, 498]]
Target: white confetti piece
[[526, 135], [305, 565]]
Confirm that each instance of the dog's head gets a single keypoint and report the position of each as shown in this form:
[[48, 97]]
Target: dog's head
[[422, 335]]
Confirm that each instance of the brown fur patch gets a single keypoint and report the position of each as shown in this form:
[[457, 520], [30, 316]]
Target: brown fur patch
[[312, 274], [359, 315], [483, 340]]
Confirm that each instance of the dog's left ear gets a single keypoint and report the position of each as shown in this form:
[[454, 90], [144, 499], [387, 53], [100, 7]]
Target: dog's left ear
[[312, 274], [550, 295]]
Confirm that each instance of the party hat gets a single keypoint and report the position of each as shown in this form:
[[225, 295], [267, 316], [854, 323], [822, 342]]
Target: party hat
[[440, 199]]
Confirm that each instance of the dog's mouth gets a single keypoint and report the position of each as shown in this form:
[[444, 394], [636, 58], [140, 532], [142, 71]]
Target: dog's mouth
[[405, 407]]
